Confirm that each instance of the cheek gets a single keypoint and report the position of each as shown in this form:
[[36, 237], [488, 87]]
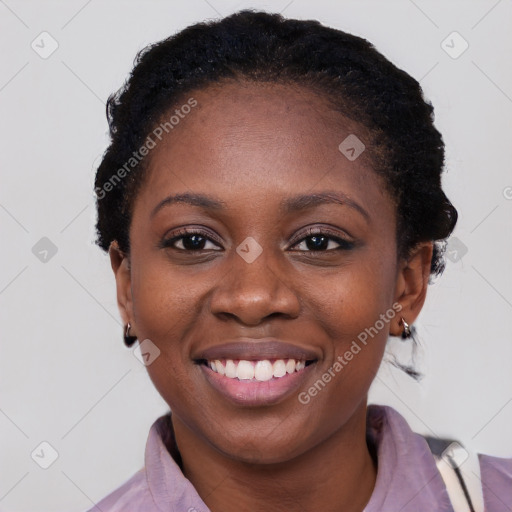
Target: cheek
[[164, 308], [354, 308], [350, 312], [162, 299], [353, 299]]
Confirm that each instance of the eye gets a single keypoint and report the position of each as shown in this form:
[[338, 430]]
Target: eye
[[321, 240], [190, 240]]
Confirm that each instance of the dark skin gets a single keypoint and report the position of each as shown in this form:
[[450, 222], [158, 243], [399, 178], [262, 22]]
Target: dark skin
[[253, 146]]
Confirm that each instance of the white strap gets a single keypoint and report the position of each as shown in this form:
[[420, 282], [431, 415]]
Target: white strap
[[469, 466]]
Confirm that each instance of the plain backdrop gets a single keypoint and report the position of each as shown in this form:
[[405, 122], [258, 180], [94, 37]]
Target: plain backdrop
[[66, 378]]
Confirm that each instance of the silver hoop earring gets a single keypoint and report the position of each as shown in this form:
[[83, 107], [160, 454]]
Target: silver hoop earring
[[128, 339], [406, 333]]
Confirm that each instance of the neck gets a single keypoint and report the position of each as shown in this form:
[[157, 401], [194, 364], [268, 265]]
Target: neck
[[338, 474]]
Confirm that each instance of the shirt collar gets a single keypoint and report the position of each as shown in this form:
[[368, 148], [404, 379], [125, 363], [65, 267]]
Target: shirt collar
[[407, 476]]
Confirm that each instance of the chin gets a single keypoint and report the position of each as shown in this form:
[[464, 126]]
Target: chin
[[263, 449]]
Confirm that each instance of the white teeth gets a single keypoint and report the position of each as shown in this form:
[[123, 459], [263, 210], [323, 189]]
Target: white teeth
[[279, 368], [220, 367], [245, 370], [230, 369], [262, 370], [290, 366]]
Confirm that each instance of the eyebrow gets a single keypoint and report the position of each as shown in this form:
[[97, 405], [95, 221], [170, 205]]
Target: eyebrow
[[289, 205], [318, 198], [200, 200]]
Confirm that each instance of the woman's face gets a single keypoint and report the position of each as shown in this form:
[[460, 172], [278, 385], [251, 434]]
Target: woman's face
[[277, 250]]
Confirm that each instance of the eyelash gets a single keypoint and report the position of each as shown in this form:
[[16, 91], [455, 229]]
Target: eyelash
[[344, 245], [187, 232]]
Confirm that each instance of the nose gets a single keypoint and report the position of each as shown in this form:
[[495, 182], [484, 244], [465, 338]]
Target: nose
[[252, 292]]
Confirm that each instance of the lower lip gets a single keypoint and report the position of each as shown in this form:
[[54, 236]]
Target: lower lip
[[255, 393]]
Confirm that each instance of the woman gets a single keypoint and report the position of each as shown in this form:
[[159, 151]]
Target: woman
[[271, 203]]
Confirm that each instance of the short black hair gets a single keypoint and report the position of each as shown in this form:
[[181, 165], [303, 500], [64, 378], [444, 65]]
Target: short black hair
[[405, 146]]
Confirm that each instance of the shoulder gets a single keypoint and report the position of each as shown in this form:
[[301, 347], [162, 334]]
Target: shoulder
[[488, 479], [407, 476], [496, 475], [134, 494], [500, 467], [160, 485]]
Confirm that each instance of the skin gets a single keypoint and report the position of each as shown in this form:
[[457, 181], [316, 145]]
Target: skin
[[253, 146]]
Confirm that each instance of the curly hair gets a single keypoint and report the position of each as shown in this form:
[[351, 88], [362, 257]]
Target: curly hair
[[405, 147]]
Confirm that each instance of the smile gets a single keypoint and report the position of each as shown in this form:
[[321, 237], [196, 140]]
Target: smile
[[258, 370]]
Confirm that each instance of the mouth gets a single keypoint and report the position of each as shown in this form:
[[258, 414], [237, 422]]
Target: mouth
[[256, 372], [260, 370]]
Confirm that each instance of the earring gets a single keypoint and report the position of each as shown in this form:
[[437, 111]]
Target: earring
[[407, 330], [129, 340]]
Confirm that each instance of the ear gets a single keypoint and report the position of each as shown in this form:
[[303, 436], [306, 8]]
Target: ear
[[120, 263], [411, 285]]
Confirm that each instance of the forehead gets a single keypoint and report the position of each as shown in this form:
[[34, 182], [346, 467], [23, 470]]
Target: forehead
[[252, 115], [262, 139]]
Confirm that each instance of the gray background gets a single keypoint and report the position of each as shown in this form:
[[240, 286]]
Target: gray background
[[66, 377]]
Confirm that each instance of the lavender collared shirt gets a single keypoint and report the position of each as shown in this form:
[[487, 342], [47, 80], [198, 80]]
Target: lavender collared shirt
[[407, 478]]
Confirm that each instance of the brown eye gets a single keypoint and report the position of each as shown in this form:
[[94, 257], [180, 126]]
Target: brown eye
[[188, 240], [321, 241]]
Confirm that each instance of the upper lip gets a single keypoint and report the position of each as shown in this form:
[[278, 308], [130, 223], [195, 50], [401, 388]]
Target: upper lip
[[256, 349]]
